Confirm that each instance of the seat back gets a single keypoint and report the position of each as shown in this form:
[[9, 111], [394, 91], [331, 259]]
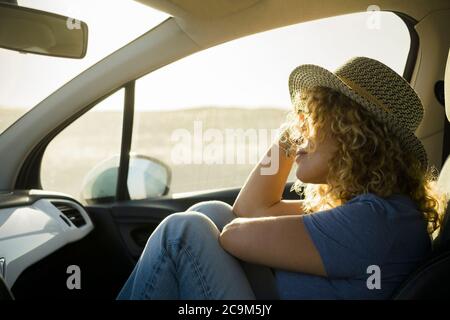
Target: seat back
[[432, 279], [442, 242]]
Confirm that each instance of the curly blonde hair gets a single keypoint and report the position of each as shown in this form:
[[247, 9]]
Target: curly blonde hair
[[369, 158]]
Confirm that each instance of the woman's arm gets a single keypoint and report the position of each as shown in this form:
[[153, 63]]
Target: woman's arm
[[261, 194], [278, 242]]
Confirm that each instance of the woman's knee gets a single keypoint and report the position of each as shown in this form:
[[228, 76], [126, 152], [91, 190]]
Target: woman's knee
[[209, 205], [219, 212], [187, 225], [182, 228]]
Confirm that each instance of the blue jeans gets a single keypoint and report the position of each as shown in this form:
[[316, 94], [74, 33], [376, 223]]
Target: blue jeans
[[183, 259]]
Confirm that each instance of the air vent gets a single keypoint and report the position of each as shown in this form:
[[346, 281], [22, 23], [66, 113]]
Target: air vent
[[72, 213]]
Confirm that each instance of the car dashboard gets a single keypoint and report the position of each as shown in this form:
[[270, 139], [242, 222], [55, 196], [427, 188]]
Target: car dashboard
[[33, 225]]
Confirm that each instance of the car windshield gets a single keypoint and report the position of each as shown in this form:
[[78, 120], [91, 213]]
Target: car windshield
[[27, 79]]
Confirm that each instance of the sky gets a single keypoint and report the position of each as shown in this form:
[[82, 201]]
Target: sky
[[250, 72], [26, 79]]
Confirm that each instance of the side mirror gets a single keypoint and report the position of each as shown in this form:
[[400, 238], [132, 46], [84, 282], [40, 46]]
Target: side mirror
[[147, 178], [35, 31]]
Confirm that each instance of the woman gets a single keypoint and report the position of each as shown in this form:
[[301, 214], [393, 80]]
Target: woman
[[369, 207]]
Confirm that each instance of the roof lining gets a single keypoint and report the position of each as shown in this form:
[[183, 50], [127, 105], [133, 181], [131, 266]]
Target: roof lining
[[204, 24]]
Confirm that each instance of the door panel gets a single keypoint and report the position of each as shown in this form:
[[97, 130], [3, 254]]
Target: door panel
[[136, 220]]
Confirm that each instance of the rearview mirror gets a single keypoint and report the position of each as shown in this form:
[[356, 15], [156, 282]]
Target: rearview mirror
[[147, 178], [35, 31]]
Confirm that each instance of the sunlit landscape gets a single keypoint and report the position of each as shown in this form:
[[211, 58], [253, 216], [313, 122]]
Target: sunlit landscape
[[96, 137]]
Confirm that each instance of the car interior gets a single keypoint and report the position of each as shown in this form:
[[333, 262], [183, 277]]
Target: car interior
[[42, 232]]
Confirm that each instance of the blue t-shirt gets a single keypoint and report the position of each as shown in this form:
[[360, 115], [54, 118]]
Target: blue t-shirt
[[368, 230]]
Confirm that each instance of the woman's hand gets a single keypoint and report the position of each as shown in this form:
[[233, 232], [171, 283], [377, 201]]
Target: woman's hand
[[261, 194]]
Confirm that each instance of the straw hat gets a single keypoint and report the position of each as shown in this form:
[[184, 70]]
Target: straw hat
[[377, 88]]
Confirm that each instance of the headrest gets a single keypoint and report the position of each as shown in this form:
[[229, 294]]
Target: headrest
[[442, 242], [447, 88]]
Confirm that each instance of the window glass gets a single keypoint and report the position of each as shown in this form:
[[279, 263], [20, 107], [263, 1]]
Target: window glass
[[80, 160], [211, 116]]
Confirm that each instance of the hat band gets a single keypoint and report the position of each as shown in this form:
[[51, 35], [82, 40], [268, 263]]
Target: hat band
[[363, 92]]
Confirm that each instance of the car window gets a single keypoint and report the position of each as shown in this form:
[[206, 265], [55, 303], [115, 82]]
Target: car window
[[76, 157], [203, 122], [211, 116], [27, 79]]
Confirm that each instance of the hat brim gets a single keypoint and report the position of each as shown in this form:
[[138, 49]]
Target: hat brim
[[309, 76]]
